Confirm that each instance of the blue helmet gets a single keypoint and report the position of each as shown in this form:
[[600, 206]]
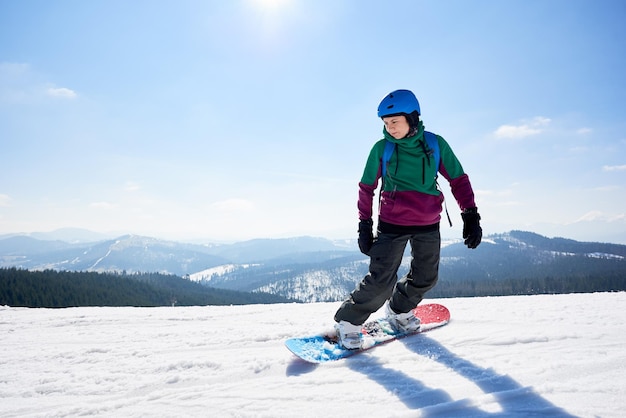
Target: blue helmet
[[399, 102]]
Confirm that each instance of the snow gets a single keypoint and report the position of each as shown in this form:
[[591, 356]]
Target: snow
[[549, 355], [605, 255], [208, 274]]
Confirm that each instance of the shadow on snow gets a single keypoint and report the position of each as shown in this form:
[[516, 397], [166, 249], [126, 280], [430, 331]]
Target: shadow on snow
[[512, 398]]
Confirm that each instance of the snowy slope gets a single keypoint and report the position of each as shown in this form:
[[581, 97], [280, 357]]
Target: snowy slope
[[562, 355]]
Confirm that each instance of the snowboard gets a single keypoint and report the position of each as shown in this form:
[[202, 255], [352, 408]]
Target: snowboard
[[325, 348]]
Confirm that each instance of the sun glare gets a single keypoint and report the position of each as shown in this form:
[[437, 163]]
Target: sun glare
[[272, 19], [271, 4]]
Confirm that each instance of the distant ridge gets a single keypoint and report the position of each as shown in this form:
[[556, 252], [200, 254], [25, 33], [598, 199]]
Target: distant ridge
[[315, 269]]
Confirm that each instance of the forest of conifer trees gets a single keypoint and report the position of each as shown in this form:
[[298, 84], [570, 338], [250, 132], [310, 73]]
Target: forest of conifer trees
[[57, 289]]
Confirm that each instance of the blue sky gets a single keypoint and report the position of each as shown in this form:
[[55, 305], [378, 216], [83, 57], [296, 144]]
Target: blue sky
[[231, 120]]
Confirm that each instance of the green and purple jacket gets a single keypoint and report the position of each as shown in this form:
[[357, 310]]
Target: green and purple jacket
[[409, 196]]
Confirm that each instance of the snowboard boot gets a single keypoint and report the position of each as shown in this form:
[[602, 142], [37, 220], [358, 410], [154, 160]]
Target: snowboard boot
[[349, 335], [402, 322]]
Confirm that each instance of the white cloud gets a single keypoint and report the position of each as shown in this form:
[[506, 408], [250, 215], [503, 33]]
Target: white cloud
[[21, 84], [591, 216], [13, 69], [584, 131], [606, 188], [61, 92], [132, 186], [614, 167], [5, 200], [598, 216], [523, 130]]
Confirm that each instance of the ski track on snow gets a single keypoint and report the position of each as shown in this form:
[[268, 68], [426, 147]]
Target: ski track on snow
[[560, 355]]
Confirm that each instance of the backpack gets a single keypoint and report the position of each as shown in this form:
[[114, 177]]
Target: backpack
[[433, 149], [431, 142]]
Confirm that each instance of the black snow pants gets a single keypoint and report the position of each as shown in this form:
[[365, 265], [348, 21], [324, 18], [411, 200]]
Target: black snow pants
[[382, 284]]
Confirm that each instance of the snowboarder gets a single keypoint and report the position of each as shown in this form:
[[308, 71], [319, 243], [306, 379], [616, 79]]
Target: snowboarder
[[410, 206]]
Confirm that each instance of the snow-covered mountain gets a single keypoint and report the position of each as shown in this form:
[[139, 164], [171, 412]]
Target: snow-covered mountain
[[133, 253], [316, 269], [129, 253], [517, 356], [516, 255], [318, 281]]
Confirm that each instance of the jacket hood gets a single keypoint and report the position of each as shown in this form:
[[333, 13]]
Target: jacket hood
[[408, 142]]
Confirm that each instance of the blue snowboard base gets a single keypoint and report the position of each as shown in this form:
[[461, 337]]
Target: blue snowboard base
[[324, 348]]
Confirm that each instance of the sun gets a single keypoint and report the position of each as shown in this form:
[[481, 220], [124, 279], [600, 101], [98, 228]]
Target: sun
[[270, 4], [273, 22]]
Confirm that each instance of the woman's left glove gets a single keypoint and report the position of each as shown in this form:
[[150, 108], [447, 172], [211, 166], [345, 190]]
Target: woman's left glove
[[472, 232]]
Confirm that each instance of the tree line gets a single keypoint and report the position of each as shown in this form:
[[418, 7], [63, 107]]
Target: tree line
[[57, 289], [60, 289], [579, 283]]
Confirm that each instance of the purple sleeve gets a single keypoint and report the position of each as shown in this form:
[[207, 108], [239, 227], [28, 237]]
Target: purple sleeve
[[463, 192], [461, 189], [366, 200]]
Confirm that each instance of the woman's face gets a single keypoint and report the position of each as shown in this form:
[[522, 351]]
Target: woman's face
[[397, 126]]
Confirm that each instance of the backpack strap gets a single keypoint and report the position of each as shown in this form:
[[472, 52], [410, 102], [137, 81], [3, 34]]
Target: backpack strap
[[387, 153], [433, 144]]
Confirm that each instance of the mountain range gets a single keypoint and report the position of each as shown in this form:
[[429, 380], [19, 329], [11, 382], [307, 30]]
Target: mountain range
[[315, 269]]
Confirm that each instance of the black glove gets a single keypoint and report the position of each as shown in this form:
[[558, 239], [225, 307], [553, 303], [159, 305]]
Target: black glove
[[472, 232], [366, 236]]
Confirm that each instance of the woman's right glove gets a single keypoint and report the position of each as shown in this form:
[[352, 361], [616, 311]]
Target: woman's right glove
[[366, 236]]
